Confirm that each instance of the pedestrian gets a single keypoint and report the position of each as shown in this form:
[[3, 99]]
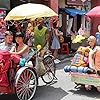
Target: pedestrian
[[29, 35], [97, 35], [55, 44], [2, 29]]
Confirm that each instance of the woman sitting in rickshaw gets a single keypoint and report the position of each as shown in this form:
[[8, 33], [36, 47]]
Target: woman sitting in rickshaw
[[20, 49]]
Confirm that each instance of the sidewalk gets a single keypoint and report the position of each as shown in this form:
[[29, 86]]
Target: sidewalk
[[64, 57]]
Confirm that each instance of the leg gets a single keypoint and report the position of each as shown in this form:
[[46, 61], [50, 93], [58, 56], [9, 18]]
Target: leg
[[55, 53]]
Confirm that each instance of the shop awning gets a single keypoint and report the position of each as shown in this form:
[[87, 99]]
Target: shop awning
[[71, 11]]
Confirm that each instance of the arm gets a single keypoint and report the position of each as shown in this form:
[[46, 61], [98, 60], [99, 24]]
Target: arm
[[47, 35], [91, 58], [13, 49], [58, 33], [21, 52]]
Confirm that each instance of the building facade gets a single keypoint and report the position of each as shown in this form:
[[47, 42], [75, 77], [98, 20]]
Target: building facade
[[72, 14], [94, 21], [51, 3]]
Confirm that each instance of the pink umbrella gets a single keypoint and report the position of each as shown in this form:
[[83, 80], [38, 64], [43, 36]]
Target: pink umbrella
[[95, 12]]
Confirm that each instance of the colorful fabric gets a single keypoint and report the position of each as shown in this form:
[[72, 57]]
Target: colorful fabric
[[78, 60]]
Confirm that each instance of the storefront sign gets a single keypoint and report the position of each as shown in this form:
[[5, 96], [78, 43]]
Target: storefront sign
[[5, 4], [2, 13], [73, 2]]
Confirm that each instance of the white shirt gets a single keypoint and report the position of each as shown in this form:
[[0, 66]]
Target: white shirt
[[4, 46]]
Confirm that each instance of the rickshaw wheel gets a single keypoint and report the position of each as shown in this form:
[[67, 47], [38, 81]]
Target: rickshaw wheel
[[49, 75], [26, 83]]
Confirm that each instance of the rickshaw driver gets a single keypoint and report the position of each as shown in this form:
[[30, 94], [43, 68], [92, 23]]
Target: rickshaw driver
[[41, 36], [93, 58], [92, 47], [8, 42], [95, 61]]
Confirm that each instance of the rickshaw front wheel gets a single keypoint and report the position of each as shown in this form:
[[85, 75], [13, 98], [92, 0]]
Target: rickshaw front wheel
[[25, 83], [49, 75]]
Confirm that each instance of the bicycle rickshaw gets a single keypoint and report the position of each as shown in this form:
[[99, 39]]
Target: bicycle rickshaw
[[81, 73], [26, 78]]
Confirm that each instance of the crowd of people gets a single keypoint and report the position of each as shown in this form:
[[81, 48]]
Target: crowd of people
[[18, 37], [38, 32]]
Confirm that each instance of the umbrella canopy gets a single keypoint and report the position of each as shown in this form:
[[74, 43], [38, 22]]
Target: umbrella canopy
[[95, 12], [30, 10]]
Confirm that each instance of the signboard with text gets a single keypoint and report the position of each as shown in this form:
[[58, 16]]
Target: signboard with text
[[5, 4], [73, 2]]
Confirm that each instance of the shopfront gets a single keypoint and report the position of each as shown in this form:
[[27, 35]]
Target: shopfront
[[72, 16]]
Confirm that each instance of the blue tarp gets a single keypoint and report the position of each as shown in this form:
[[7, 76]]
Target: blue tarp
[[71, 11]]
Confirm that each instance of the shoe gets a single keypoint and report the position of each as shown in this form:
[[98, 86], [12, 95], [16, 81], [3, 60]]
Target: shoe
[[56, 61], [98, 72], [88, 87], [98, 88], [91, 71]]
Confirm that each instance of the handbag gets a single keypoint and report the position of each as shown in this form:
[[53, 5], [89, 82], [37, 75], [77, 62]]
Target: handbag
[[61, 39]]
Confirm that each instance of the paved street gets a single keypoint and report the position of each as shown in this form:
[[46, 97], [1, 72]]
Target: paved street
[[63, 89]]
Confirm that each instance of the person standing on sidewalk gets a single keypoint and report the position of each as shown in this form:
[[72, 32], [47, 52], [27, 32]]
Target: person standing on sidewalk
[[55, 45], [97, 35]]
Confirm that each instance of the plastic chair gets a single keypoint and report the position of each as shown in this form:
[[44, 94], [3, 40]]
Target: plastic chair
[[64, 48]]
